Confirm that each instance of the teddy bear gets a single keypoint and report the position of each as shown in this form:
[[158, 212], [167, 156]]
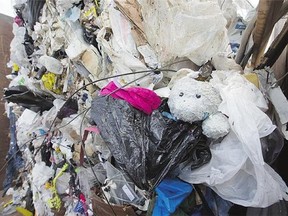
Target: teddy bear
[[191, 100]]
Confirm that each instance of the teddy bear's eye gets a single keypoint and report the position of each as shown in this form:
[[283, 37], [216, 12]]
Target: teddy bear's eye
[[198, 96], [181, 94]]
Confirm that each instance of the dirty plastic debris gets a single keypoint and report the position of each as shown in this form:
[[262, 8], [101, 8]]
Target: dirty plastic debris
[[28, 99], [51, 64], [107, 155], [147, 147]]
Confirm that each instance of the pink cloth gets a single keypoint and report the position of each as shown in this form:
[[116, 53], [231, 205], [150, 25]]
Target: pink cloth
[[140, 98], [18, 21]]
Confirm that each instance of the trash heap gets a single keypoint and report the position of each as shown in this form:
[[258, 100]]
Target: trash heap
[[130, 107]]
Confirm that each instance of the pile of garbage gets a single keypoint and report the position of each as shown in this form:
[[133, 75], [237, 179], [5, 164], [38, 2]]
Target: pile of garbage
[[133, 107]]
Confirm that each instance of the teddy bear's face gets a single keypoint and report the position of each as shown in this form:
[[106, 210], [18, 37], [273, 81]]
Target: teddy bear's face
[[191, 100]]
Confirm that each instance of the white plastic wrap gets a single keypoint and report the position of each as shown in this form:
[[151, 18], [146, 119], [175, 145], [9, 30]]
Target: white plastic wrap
[[51, 64], [221, 62], [238, 14], [120, 47], [179, 28], [41, 174], [238, 8], [17, 49], [26, 125], [62, 183], [237, 171]]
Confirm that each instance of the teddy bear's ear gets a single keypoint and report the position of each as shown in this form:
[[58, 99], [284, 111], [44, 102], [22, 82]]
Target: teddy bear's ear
[[193, 74], [181, 74], [188, 72]]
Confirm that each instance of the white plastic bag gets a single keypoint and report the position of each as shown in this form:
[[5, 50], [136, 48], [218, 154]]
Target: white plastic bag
[[120, 47], [179, 28], [51, 64], [237, 171], [17, 48], [41, 174]]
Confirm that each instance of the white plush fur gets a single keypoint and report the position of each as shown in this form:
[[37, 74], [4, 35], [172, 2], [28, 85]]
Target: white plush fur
[[191, 100]]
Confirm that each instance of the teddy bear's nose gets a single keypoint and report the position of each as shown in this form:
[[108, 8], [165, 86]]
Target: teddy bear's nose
[[198, 96]]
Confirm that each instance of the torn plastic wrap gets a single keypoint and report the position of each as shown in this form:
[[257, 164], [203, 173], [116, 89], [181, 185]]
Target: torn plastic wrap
[[14, 158], [177, 28], [146, 147], [119, 45], [22, 96]]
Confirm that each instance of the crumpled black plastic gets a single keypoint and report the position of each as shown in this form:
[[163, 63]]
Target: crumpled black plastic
[[28, 44], [280, 209], [70, 107], [147, 147], [29, 99], [90, 38], [34, 7]]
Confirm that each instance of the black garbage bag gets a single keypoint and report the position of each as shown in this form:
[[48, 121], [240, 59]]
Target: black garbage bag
[[29, 99], [34, 7], [147, 147], [90, 37], [28, 44], [278, 209]]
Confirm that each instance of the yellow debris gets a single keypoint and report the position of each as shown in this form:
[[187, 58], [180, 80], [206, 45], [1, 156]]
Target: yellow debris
[[253, 78]]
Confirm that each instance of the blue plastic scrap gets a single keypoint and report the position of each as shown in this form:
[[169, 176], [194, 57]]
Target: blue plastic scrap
[[15, 161], [170, 194], [218, 205]]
